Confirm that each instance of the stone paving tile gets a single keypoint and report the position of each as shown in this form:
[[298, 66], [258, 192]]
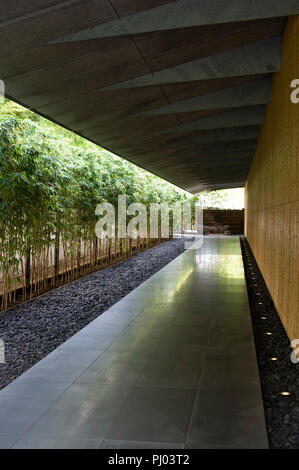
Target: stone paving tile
[[172, 365]]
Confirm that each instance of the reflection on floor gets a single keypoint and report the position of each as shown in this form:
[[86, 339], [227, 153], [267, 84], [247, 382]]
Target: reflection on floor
[[172, 365]]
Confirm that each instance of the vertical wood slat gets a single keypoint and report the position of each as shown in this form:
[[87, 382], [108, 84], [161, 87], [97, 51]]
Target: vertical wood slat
[[35, 276], [272, 190], [28, 271], [56, 257]]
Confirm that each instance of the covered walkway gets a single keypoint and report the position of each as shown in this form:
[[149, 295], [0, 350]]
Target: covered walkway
[[173, 364]]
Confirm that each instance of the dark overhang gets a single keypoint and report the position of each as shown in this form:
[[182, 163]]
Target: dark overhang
[[177, 87]]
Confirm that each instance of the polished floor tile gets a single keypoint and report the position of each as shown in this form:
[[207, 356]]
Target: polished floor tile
[[171, 365], [6, 441], [83, 411], [145, 331], [61, 365], [38, 442], [233, 324], [17, 415], [230, 373], [116, 371], [197, 319], [223, 343], [228, 418], [112, 444], [171, 372], [155, 415], [137, 346], [43, 393]]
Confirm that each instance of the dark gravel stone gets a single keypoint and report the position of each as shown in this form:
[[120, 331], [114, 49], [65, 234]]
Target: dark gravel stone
[[281, 375], [32, 330]]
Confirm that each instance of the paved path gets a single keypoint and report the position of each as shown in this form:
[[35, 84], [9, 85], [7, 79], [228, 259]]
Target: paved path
[[172, 365]]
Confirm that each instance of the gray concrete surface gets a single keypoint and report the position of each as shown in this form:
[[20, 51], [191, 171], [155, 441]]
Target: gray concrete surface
[[186, 13], [172, 365]]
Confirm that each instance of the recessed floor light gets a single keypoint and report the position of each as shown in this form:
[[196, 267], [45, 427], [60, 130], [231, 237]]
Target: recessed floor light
[[268, 333], [264, 318], [285, 394], [274, 358]]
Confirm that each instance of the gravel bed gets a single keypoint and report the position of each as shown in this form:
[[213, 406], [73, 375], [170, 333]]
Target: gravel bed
[[32, 330], [281, 375]]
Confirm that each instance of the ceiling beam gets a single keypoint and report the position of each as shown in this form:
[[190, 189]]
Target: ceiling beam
[[185, 14], [252, 93], [253, 59], [224, 135], [248, 116]]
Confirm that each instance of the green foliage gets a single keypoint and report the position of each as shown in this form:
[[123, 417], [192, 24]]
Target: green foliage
[[222, 199], [51, 182]]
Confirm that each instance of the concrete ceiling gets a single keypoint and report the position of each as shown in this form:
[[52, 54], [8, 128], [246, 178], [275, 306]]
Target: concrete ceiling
[[177, 87]]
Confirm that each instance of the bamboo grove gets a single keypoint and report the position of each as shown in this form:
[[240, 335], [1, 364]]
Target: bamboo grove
[[50, 184]]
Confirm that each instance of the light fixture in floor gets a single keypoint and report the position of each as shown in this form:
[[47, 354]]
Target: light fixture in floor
[[268, 333], [285, 394], [274, 358]]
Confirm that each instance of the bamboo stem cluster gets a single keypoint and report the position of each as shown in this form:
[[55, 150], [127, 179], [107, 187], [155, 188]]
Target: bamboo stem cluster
[[50, 186]]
